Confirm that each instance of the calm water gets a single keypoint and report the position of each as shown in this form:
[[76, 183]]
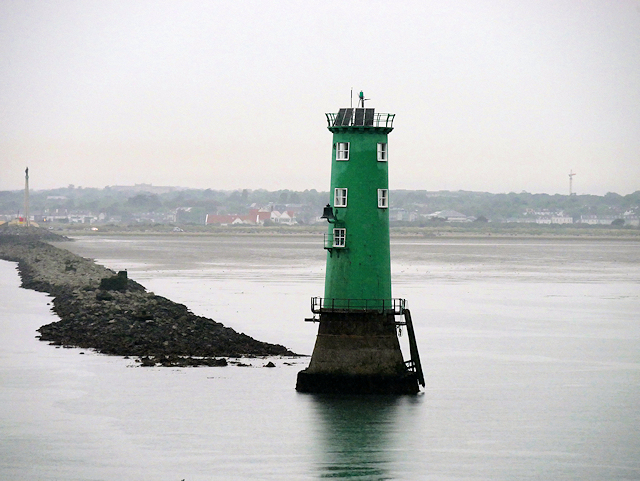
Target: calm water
[[531, 352]]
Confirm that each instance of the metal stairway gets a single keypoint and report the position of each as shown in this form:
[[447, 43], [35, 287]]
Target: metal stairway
[[414, 363]]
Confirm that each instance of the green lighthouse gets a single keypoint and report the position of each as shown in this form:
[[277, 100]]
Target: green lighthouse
[[357, 348]]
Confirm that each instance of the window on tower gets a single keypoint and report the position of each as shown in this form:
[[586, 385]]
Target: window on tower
[[340, 197], [382, 152], [342, 151], [383, 198], [339, 237]]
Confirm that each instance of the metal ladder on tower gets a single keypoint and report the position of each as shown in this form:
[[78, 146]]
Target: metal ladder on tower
[[414, 364]]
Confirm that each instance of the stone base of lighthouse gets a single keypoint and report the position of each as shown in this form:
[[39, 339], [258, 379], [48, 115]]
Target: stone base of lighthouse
[[357, 353]]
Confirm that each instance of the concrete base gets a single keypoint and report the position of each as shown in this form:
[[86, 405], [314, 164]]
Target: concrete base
[[357, 353], [356, 384]]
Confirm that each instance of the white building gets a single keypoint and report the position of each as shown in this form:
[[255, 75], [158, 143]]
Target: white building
[[287, 218], [451, 216], [561, 219]]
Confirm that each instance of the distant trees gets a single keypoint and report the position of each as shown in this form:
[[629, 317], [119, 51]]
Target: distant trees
[[196, 203], [143, 202], [504, 206]]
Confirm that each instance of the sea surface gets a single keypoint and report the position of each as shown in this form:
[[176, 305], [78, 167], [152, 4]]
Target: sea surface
[[530, 348]]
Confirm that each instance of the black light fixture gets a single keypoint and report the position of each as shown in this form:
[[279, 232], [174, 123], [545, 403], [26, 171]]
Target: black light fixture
[[327, 213]]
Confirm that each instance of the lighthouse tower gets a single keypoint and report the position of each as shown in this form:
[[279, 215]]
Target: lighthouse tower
[[357, 348]]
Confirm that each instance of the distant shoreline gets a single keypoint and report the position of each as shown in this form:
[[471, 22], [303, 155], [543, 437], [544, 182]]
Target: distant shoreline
[[442, 231]]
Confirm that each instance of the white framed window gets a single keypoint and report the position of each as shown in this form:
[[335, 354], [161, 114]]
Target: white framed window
[[382, 152], [340, 197], [339, 237], [342, 151], [383, 198]]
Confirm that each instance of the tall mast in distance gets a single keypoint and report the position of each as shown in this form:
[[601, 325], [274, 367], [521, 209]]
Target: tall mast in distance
[[571, 174], [26, 197]]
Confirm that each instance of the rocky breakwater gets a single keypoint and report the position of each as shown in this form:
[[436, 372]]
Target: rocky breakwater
[[112, 314]]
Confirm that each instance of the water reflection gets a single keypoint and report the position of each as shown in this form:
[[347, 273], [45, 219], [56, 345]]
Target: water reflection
[[354, 435]]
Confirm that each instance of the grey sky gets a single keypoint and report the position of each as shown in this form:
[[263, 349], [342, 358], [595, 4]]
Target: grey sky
[[489, 95]]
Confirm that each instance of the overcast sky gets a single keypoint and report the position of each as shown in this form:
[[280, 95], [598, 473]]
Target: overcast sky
[[495, 96]]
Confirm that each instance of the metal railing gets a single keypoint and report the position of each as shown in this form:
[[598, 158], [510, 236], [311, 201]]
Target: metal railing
[[383, 120], [379, 120], [329, 242], [394, 306]]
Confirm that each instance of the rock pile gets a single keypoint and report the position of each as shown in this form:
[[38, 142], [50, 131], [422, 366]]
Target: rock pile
[[30, 233], [112, 314]]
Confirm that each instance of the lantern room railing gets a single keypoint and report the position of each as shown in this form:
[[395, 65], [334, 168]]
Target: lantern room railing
[[360, 118], [321, 305]]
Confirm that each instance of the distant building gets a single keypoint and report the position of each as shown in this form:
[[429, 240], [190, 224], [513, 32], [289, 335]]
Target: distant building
[[397, 214], [82, 219], [451, 216], [597, 219], [561, 219], [258, 216], [520, 220], [223, 219], [554, 219], [287, 217], [629, 219], [254, 217], [542, 217]]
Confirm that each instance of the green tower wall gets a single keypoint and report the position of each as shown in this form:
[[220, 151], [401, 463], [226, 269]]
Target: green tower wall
[[357, 349], [362, 269]]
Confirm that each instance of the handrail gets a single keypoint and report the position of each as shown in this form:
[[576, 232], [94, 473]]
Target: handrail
[[331, 119], [379, 120], [328, 241], [387, 119], [394, 306], [413, 349]]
